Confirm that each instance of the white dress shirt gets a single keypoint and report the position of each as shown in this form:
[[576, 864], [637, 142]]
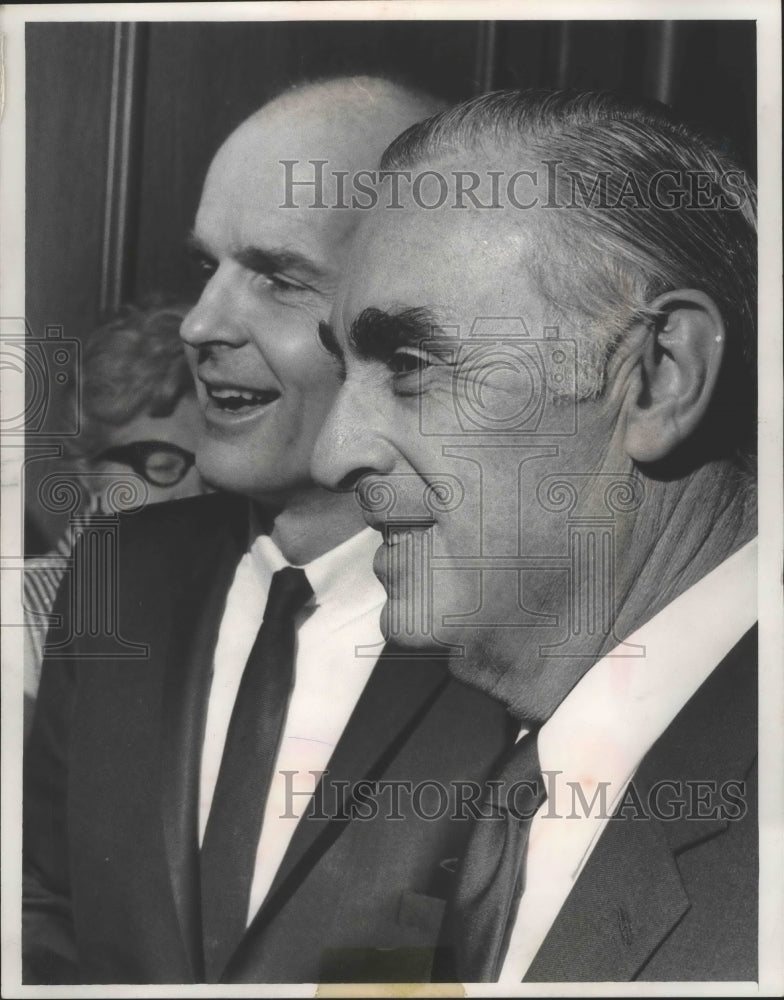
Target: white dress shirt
[[343, 614], [605, 726]]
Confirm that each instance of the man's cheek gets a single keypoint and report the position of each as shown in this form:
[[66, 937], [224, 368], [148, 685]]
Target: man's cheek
[[312, 312], [457, 594], [432, 401]]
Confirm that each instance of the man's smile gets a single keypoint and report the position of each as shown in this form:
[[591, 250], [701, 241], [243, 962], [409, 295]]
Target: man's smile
[[224, 400]]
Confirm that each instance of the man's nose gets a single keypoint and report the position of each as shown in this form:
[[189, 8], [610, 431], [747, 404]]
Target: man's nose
[[216, 318], [350, 445]]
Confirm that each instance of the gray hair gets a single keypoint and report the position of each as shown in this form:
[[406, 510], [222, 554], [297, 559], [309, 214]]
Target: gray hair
[[623, 256]]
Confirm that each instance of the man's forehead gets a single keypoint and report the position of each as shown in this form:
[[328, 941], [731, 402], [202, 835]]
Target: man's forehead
[[276, 146], [230, 218], [244, 198], [445, 260]]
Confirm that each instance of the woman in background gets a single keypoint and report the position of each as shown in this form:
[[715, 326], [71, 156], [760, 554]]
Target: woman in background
[[138, 413]]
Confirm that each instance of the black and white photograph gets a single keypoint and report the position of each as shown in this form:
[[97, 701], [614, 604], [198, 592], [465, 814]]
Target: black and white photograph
[[392, 499]]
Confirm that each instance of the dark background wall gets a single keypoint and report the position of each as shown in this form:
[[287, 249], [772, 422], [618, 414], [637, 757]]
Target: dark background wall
[[123, 119]]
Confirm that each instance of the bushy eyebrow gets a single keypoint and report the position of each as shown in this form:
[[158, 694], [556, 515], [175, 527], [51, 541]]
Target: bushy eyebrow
[[376, 334]]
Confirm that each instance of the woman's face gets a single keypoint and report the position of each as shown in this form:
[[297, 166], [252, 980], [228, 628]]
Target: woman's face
[[159, 468]]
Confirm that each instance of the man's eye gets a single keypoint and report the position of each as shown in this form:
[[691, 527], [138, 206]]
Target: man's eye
[[407, 362], [204, 267], [280, 283]]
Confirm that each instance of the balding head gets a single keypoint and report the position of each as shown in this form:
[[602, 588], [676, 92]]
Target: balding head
[[344, 124], [365, 111]]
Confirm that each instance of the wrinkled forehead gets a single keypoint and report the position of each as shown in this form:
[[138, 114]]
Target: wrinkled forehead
[[458, 263]]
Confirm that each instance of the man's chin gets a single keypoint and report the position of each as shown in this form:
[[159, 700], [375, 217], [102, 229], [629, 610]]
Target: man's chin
[[235, 471]]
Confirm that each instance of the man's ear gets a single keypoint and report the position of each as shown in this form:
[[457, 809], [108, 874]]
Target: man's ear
[[677, 370]]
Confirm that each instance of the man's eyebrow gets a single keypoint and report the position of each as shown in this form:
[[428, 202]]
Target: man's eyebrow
[[273, 260], [262, 260], [376, 334]]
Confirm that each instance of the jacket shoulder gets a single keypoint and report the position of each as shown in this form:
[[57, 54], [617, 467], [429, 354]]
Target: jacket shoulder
[[200, 510], [147, 534]]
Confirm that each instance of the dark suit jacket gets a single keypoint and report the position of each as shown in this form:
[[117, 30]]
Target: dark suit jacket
[[675, 899], [672, 899], [111, 791]]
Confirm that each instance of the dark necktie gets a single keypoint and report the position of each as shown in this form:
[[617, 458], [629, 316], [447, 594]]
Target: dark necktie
[[231, 839], [490, 880]]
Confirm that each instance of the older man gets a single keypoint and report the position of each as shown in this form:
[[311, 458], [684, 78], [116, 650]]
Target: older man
[[548, 410], [164, 795]]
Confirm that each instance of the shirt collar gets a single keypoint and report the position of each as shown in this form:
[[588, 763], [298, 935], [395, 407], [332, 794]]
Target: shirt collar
[[610, 719], [342, 578]]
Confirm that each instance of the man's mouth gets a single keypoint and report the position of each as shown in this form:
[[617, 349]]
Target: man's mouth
[[239, 400], [401, 547]]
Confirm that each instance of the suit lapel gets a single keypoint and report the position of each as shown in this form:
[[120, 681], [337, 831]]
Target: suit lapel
[[397, 696], [630, 894], [626, 901], [204, 560]]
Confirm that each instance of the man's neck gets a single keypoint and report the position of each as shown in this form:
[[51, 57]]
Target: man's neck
[[310, 523], [702, 521], [684, 530]]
